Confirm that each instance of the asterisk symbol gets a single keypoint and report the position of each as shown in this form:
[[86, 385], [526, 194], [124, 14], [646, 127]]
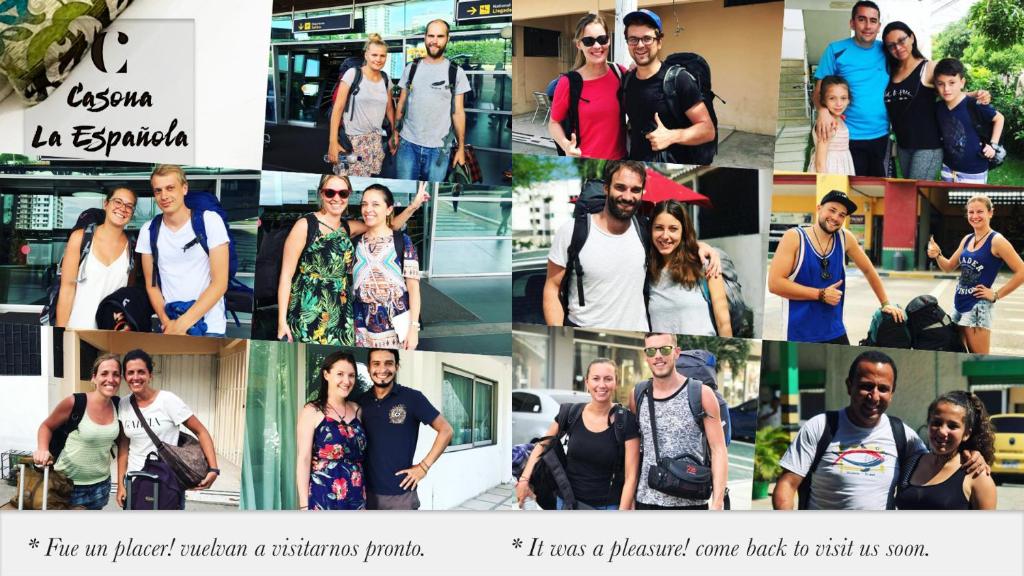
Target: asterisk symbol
[[517, 543], [33, 543]]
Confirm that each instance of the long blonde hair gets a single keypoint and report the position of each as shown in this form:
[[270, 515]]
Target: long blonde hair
[[587, 20]]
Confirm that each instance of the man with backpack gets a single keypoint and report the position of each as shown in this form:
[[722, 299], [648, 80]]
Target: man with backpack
[[187, 285], [431, 118], [679, 435], [851, 459], [669, 104]]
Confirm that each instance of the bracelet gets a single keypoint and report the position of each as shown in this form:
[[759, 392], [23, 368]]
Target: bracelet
[[884, 304], [524, 479], [424, 468], [995, 296], [212, 469], [821, 295]]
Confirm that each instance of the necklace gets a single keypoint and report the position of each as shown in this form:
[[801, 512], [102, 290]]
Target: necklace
[[340, 415], [325, 224], [979, 242], [823, 260]]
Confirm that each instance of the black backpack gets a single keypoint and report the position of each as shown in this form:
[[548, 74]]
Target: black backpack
[[87, 221], [591, 201], [59, 438], [741, 317], [983, 128], [453, 76], [571, 123], [126, 309], [271, 253], [930, 327], [697, 69], [886, 332], [356, 62], [548, 479], [831, 425]]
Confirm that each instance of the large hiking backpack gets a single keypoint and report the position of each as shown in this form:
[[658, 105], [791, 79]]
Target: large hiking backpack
[[700, 365], [741, 317], [239, 297], [886, 332], [59, 438], [571, 123], [930, 327], [697, 69], [350, 106], [899, 435], [591, 201], [271, 253], [87, 222]]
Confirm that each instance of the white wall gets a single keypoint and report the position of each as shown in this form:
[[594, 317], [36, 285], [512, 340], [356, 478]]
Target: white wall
[[24, 402], [793, 37]]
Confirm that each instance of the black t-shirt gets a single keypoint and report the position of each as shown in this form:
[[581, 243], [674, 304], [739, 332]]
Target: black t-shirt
[[592, 458], [643, 99]]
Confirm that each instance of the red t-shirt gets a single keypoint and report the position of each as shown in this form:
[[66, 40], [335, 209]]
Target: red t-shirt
[[602, 133]]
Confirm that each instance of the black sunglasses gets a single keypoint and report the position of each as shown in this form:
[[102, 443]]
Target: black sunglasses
[[589, 41], [330, 192], [826, 274]]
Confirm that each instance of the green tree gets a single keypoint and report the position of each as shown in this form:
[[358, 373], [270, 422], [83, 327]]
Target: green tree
[[528, 170], [731, 351]]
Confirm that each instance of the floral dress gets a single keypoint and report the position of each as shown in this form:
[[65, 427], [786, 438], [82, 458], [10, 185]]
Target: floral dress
[[380, 291], [336, 478], [319, 307]]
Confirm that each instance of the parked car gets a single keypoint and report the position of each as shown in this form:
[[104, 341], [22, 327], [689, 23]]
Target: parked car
[[533, 410], [529, 272], [1009, 444], [743, 418]]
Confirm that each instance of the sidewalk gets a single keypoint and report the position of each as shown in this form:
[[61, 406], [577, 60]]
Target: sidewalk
[[503, 497]]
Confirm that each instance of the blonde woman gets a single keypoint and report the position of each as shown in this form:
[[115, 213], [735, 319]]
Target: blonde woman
[[363, 101]]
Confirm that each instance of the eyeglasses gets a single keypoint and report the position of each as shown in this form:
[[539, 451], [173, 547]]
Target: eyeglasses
[[890, 46], [118, 203], [653, 350], [330, 193], [645, 40], [826, 274], [589, 41]]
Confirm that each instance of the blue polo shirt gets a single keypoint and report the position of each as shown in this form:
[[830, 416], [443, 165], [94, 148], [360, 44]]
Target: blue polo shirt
[[864, 70], [392, 429]]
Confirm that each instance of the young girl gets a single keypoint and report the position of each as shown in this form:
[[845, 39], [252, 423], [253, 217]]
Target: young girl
[[832, 156]]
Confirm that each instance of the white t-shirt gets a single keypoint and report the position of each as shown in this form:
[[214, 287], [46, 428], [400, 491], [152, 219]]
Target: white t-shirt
[[163, 415], [185, 274], [676, 309], [613, 277], [858, 467]]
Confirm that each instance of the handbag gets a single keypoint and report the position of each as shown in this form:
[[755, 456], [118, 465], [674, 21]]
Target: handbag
[[186, 459], [683, 476]]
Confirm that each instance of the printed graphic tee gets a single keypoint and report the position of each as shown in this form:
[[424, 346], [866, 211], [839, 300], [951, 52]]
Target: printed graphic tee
[[163, 415]]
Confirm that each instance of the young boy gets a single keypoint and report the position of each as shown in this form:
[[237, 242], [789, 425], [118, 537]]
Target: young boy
[[966, 148]]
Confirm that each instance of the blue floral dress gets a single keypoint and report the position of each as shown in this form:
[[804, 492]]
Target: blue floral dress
[[336, 478]]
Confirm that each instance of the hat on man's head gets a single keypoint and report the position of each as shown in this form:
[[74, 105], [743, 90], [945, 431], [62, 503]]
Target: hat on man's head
[[642, 17], [842, 198]]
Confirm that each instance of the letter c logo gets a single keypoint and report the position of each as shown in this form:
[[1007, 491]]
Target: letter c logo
[[97, 52]]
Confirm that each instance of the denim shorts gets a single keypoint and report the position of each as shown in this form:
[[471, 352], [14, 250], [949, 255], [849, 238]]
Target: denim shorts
[[561, 505], [978, 317], [91, 496]]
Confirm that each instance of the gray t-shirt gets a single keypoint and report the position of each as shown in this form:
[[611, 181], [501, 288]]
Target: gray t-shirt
[[676, 309], [428, 118], [370, 105]]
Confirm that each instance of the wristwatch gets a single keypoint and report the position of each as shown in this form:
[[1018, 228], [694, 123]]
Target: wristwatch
[[212, 469]]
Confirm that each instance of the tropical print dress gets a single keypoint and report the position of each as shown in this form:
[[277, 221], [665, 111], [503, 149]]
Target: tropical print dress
[[336, 479], [320, 307], [379, 289]]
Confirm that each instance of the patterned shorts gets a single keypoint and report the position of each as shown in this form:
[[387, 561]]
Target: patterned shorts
[[978, 317], [370, 150]]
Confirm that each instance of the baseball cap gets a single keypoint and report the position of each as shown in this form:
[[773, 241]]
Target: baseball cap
[[644, 16], [842, 198]]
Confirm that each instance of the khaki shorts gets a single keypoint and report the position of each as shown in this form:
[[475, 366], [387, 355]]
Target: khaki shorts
[[407, 501]]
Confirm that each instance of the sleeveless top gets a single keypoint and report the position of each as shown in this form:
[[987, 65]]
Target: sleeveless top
[[911, 107], [320, 304], [678, 434], [838, 159], [976, 267], [810, 320], [86, 457], [946, 495], [96, 282], [336, 478]]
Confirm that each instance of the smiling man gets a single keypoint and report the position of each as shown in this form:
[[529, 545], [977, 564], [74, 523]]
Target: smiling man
[[392, 414], [809, 270]]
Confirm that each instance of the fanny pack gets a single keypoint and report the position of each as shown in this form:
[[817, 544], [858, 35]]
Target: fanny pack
[[683, 476]]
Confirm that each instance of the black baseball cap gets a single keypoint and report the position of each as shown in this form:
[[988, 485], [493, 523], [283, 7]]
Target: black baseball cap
[[842, 198]]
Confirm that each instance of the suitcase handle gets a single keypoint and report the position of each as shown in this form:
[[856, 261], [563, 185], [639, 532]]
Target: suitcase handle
[[21, 484], [129, 482]]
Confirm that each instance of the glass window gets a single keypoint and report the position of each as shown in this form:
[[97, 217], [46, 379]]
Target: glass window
[[466, 257], [468, 405], [530, 358], [483, 412]]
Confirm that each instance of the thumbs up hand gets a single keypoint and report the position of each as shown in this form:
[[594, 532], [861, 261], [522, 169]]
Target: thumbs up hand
[[933, 248], [571, 148], [661, 137], [832, 295]]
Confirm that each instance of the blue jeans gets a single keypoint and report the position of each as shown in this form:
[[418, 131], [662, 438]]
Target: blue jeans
[[415, 162], [561, 505], [91, 496]]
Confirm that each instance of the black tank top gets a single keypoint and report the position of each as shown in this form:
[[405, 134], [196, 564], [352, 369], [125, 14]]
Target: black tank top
[[911, 108], [947, 495]]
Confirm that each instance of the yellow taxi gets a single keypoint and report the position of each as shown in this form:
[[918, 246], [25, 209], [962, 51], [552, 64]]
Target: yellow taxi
[[1009, 443]]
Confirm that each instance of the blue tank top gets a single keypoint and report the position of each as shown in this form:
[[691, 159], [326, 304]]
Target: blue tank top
[[976, 267], [810, 320]]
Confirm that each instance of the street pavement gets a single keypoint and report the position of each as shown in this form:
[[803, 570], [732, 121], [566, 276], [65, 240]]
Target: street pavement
[[901, 288]]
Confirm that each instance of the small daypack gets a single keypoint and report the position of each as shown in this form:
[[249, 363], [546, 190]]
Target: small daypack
[[87, 222], [571, 123], [930, 327], [155, 487], [886, 332], [127, 309], [984, 129], [699, 365], [831, 426], [239, 297], [271, 253], [741, 317], [697, 69]]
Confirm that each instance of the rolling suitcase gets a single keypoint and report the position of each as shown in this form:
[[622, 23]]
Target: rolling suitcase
[[154, 487], [29, 495]]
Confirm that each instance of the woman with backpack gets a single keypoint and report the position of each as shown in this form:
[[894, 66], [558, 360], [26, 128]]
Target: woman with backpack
[[980, 256], [106, 266], [603, 455], [386, 283], [86, 452], [683, 300], [364, 96], [316, 268], [592, 125]]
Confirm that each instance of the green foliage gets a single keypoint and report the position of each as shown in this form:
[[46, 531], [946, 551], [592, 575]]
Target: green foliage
[[999, 22], [769, 445], [951, 42], [489, 52], [528, 170], [591, 169]]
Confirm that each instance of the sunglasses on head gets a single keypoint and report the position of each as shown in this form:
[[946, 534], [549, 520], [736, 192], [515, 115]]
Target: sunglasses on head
[[331, 192], [653, 350], [589, 41]]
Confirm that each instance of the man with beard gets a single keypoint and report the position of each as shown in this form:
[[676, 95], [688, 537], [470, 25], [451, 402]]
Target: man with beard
[[808, 271], [678, 430], [429, 109], [392, 414], [690, 140]]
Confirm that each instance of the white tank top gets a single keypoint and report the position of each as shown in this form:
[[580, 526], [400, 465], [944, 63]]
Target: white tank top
[[98, 282]]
